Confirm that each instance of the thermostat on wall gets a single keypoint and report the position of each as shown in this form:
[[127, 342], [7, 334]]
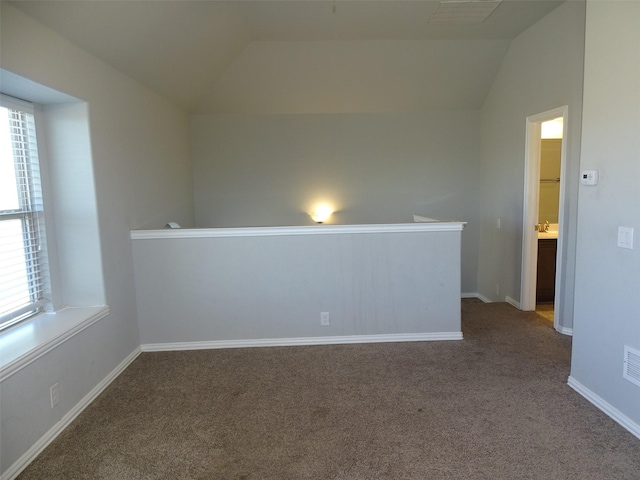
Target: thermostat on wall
[[589, 177]]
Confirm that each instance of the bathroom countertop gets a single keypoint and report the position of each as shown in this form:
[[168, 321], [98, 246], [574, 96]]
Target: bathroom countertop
[[547, 235], [551, 233]]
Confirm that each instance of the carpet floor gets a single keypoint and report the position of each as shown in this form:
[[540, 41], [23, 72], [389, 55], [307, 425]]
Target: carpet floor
[[493, 406]]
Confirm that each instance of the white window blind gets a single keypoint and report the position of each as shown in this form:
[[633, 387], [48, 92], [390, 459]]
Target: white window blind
[[23, 266]]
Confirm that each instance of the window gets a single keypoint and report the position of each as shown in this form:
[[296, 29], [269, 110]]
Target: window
[[63, 275], [23, 263]]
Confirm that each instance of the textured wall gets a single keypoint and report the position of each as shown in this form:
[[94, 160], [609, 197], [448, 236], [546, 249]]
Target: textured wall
[[607, 309], [542, 71], [274, 287], [375, 168], [271, 77], [142, 178]]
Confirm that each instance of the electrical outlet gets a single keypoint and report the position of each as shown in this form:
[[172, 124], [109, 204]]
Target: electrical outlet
[[324, 318], [625, 237], [55, 394], [498, 223]]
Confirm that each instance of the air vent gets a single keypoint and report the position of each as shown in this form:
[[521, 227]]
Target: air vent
[[631, 365], [464, 11]]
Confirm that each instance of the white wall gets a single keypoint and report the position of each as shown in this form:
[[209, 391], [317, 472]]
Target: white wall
[[142, 174], [423, 163], [541, 71], [255, 170], [607, 294], [276, 77], [233, 289], [72, 218]]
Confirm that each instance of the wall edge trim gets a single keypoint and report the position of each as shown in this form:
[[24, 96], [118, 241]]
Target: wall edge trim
[[470, 295], [484, 299], [512, 302], [295, 230], [23, 462], [87, 316], [301, 341], [611, 411], [565, 330]]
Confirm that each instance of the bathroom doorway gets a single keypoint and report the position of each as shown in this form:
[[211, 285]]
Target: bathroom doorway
[[543, 213]]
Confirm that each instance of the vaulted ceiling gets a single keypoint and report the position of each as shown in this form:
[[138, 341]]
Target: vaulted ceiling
[[295, 56]]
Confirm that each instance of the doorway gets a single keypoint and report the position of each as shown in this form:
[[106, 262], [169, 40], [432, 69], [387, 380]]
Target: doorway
[[536, 232]]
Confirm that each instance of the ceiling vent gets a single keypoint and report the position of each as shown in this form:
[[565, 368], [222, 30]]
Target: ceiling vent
[[464, 11]]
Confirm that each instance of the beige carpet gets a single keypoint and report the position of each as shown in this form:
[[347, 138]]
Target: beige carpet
[[494, 406]]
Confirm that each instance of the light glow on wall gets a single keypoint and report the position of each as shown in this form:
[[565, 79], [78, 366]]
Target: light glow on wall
[[321, 212]]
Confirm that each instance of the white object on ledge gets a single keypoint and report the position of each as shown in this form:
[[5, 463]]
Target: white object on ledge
[[421, 219]]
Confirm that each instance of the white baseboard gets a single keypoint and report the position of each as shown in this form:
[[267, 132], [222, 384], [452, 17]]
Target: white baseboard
[[479, 296], [19, 465], [606, 407], [512, 302], [564, 330], [301, 341], [484, 299], [476, 295]]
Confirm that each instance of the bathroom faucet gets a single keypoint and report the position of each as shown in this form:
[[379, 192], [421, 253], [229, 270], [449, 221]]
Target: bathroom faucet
[[543, 227]]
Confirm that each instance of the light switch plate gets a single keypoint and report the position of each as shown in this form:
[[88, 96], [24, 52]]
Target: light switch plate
[[625, 237], [589, 177]]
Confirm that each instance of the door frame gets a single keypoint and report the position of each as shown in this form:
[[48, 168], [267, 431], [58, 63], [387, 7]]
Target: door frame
[[530, 211]]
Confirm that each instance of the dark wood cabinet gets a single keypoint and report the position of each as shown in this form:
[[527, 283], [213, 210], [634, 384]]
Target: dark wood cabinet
[[546, 280]]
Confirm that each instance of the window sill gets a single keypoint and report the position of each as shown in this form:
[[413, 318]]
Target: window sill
[[28, 341]]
